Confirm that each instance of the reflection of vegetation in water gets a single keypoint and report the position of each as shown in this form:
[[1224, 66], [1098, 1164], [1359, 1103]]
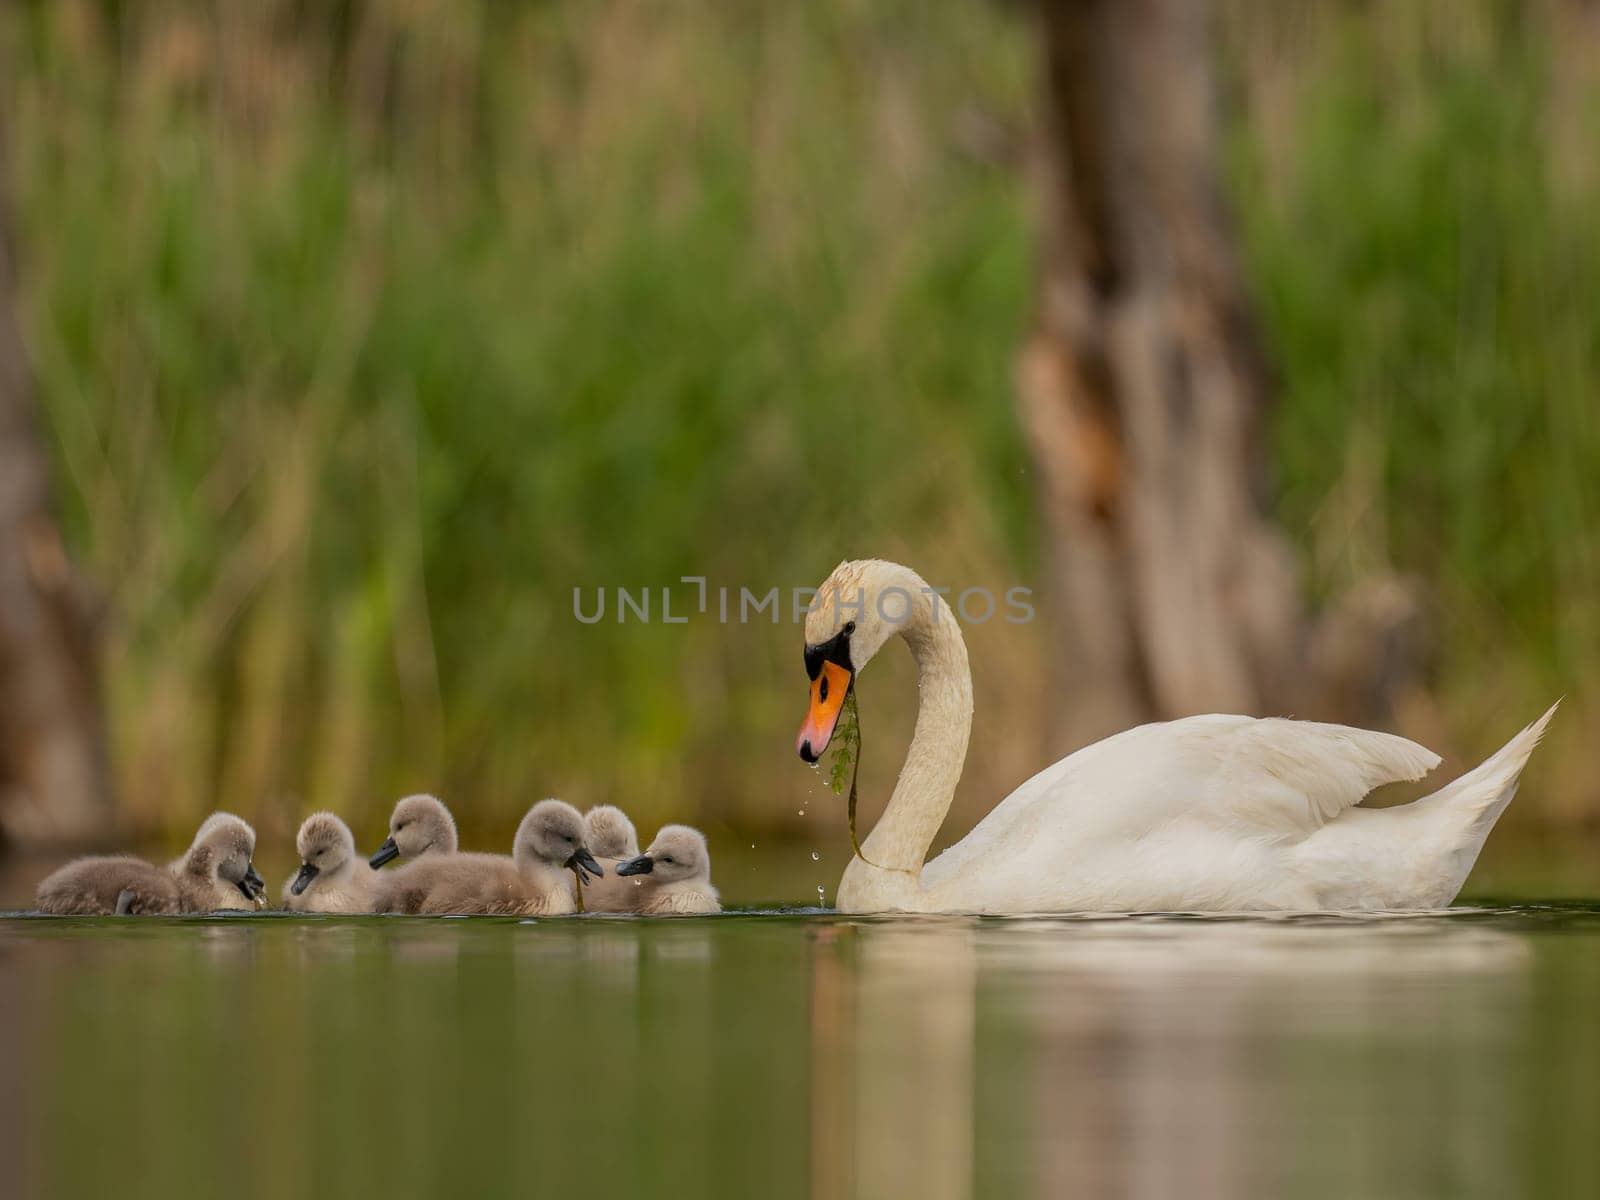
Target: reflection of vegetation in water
[[482, 1059], [757, 1056]]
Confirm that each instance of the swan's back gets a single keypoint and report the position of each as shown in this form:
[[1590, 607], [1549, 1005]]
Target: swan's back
[[1129, 781], [1180, 802]]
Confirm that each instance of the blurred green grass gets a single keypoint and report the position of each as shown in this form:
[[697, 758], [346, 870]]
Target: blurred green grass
[[1417, 209], [366, 332]]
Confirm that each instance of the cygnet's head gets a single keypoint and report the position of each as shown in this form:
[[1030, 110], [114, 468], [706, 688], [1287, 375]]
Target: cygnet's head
[[608, 833], [553, 833], [420, 824], [224, 848], [678, 853], [210, 823], [325, 844]]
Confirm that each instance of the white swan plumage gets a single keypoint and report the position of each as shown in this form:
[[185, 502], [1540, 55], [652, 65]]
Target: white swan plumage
[[1212, 813]]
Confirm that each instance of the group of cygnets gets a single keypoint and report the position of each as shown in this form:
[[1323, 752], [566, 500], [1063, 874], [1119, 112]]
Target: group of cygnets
[[561, 861]]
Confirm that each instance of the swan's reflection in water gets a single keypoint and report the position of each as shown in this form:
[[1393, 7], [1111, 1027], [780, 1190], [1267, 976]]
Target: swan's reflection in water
[[1214, 1058], [892, 1099]]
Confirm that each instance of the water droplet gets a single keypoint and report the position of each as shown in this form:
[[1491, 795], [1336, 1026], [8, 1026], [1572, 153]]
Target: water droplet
[[821, 899], [799, 812], [815, 857]]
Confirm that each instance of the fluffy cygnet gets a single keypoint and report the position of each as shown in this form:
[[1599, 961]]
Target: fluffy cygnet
[[612, 839], [537, 880], [419, 825], [677, 874], [332, 877], [609, 834], [217, 872]]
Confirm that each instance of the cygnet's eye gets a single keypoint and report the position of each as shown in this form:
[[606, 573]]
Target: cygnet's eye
[[849, 628], [666, 858]]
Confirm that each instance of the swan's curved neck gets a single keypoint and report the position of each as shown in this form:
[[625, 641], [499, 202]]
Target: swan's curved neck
[[927, 783]]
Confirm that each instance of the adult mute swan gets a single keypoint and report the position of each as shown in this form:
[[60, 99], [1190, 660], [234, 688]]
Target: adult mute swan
[[1204, 814]]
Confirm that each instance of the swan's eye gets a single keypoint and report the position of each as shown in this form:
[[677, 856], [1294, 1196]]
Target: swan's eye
[[849, 628], [666, 860]]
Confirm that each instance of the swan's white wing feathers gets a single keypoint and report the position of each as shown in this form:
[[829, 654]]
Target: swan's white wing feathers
[[1292, 777]]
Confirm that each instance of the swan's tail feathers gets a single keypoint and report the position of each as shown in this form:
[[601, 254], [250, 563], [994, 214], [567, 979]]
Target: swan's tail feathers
[[1475, 801], [1483, 793]]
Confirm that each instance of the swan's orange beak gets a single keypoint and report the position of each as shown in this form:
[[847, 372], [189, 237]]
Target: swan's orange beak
[[827, 699]]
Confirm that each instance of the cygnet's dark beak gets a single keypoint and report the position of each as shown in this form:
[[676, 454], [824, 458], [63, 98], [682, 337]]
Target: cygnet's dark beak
[[308, 872], [642, 865], [584, 864], [387, 852], [252, 885]]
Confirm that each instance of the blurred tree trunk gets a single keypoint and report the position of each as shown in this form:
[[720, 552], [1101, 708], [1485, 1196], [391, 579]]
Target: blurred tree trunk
[[1144, 395], [53, 779]]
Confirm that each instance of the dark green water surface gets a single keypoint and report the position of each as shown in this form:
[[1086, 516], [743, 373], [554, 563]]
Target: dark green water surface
[[802, 1054]]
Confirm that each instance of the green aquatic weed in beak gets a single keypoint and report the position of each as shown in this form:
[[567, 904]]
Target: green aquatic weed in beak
[[847, 761], [846, 745]]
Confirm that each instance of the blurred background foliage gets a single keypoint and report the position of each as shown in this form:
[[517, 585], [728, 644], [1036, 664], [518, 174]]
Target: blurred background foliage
[[365, 333]]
